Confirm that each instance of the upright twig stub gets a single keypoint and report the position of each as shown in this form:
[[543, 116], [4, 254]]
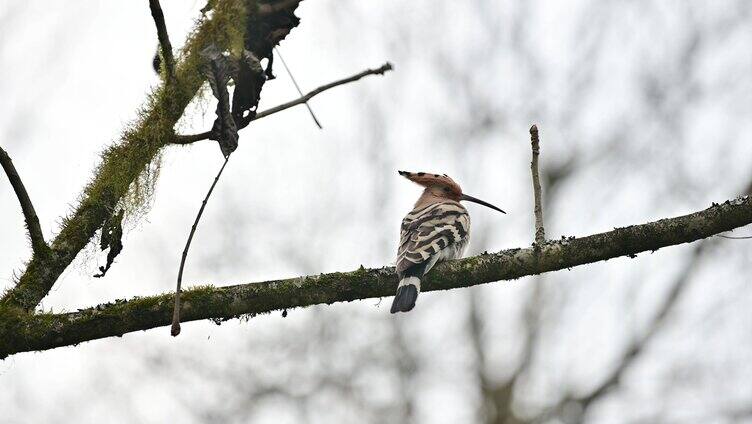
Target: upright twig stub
[[540, 233]]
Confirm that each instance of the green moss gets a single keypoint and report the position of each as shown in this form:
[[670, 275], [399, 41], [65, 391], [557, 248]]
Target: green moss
[[18, 330], [128, 171]]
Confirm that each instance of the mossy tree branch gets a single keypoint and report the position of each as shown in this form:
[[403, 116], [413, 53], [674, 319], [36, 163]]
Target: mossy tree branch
[[123, 163], [21, 332]]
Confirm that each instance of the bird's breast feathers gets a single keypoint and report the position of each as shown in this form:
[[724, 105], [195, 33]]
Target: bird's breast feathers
[[434, 232]]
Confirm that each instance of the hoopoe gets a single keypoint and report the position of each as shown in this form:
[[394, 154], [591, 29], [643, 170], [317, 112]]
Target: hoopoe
[[438, 228]]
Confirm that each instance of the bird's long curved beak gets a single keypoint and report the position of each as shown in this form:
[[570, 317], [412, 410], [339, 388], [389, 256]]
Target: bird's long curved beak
[[480, 202]]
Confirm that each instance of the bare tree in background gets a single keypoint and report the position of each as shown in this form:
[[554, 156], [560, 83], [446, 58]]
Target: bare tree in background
[[509, 365], [566, 160]]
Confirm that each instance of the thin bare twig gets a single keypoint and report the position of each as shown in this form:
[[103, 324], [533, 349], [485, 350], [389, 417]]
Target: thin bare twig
[[540, 234], [176, 311], [164, 39], [38, 244], [378, 71], [734, 238], [297, 87], [188, 139]]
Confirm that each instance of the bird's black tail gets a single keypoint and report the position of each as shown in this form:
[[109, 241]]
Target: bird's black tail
[[407, 294]]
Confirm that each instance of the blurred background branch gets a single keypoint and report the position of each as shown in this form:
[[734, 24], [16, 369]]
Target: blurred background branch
[[649, 105]]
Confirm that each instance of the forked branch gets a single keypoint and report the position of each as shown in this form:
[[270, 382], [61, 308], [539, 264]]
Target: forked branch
[[188, 139], [126, 160]]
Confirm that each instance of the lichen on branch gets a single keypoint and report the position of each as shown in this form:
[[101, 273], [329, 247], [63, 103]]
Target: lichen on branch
[[20, 332], [125, 176]]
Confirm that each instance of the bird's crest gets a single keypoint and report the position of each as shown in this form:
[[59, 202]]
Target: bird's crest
[[440, 187], [427, 179]]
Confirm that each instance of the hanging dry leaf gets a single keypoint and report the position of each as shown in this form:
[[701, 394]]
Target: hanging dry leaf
[[112, 238], [218, 70]]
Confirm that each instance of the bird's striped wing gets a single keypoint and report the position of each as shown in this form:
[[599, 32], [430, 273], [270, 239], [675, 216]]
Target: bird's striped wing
[[427, 231]]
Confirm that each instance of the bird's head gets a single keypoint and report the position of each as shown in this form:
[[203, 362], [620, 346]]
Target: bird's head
[[443, 187]]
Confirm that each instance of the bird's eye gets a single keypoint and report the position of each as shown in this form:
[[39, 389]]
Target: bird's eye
[[447, 189]]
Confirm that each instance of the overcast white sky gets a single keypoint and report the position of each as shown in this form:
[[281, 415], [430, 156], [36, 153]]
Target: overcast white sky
[[651, 101]]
